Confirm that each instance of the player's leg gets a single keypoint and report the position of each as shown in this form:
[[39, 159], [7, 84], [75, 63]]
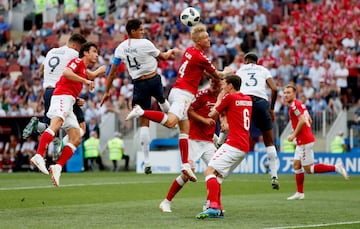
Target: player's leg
[[227, 159], [73, 130], [145, 143], [196, 150], [142, 97], [310, 167], [34, 123], [176, 186], [46, 137], [157, 91], [299, 178], [262, 119]]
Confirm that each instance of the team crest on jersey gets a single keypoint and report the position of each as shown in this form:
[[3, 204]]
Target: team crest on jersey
[[297, 112]]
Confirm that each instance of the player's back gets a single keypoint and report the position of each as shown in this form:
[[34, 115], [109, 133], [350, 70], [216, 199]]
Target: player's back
[[254, 78], [139, 56], [55, 63], [238, 115]]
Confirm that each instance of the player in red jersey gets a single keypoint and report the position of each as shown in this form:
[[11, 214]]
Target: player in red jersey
[[61, 112], [304, 154], [238, 109], [202, 129], [194, 64]]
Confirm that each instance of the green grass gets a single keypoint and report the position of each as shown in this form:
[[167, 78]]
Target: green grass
[[130, 200]]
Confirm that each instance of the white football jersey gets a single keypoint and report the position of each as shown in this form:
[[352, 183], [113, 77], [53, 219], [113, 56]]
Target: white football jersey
[[139, 56], [253, 80], [55, 63]]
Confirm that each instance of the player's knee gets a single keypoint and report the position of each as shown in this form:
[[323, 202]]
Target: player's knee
[[271, 152], [171, 122], [75, 140]]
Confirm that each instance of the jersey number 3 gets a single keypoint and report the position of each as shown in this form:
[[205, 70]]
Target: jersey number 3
[[252, 81]]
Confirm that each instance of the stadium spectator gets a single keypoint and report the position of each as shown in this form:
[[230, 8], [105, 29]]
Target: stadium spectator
[[11, 150], [267, 5], [24, 56], [308, 89], [341, 74], [304, 154], [4, 30], [26, 152], [127, 91], [316, 74]]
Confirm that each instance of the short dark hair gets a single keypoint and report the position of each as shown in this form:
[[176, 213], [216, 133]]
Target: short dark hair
[[77, 38], [251, 57], [132, 24], [234, 80], [86, 48]]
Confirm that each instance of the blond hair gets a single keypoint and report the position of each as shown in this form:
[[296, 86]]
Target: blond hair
[[196, 31]]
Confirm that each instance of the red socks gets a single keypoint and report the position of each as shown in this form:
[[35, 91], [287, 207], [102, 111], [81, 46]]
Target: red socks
[[323, 168], [174, 188], [156, 116], [213, 188], [184, 149], [66, 154], [299, 177], [45, 140]]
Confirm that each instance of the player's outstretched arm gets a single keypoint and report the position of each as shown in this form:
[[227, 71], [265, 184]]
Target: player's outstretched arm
[[99, 71], [110, 79]]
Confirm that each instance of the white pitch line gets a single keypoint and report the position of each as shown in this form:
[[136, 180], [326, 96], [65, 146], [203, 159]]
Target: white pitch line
[[315, 225], [74, 185]]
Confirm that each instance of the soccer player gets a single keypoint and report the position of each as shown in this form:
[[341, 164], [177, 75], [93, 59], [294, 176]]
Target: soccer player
[[238, 108], [304, 154], [61, 112], [51, 69], [139, 55], [194, 64], [255, 78], [202, 129]]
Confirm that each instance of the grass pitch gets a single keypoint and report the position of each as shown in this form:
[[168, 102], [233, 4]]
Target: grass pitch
[[130, 200]]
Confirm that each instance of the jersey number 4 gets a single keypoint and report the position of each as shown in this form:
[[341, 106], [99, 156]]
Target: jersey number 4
[[134, 63]]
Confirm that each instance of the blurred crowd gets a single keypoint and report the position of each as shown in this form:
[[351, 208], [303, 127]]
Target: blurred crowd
[[315, 44]]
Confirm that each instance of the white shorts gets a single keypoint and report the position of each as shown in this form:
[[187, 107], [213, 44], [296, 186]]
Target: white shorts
[[180, 101], [200, 149], [62, 106], [305, 154], [226, 159]]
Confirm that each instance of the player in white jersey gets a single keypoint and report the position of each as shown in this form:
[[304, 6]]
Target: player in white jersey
[[139, 56], [255, 80], [51, 70]]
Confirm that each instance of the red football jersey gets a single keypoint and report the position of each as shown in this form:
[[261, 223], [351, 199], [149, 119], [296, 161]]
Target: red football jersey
[[193, 64], [305, 135], [238, 109], [205, 100], [70, 87]]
